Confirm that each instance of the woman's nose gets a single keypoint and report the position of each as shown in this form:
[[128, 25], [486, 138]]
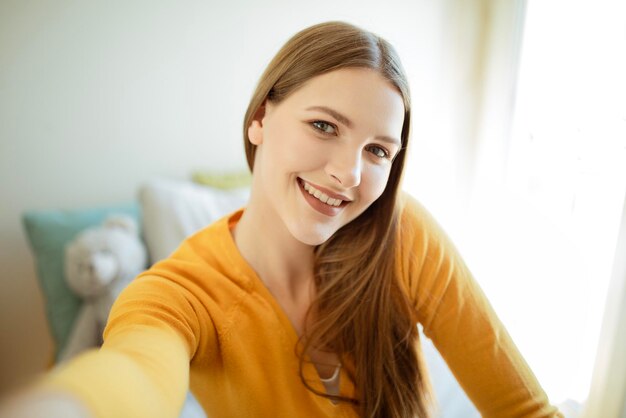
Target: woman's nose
[[345, 168]]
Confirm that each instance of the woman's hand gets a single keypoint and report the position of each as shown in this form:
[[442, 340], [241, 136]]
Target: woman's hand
[[40, 403]]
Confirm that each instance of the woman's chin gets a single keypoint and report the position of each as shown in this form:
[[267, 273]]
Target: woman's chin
[[312, 236]]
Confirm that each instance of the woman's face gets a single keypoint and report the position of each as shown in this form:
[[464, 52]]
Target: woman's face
[[324, 153]]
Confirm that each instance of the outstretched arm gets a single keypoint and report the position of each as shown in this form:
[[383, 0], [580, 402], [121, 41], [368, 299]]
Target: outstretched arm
[[142, 369]]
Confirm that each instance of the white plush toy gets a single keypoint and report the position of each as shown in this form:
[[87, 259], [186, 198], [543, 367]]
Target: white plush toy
[[99, 263]]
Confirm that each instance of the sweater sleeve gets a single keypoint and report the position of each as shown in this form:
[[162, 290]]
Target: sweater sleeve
[[142, 369], [458, 318]]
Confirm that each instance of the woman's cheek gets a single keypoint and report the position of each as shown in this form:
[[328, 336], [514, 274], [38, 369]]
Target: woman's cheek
[[306, 150], [379, 175], [287, 143]]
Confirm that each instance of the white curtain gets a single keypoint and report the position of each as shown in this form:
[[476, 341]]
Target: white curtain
[[519, 149], [463, 103]]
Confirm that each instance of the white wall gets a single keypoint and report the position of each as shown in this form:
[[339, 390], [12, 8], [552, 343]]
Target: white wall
[[97, 97]]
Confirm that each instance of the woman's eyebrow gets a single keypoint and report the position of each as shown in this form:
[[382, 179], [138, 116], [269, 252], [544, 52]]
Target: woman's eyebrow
[[347, 122], [341, 118]]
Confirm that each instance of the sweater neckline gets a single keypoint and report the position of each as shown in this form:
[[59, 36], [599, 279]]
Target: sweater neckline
[[255, 284]]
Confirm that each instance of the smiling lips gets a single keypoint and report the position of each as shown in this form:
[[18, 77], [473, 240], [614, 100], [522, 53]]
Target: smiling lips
[[321, 201], [323, 197]]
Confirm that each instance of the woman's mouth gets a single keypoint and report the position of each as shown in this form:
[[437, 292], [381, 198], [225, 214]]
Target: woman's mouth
[[321, 196], [320, 200]]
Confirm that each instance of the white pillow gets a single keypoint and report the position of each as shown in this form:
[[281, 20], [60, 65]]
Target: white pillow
[[172, 210]]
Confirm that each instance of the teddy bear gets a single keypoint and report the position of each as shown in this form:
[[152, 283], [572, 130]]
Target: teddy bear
[[99, 262]]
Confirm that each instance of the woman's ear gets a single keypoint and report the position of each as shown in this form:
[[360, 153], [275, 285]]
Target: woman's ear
[[255, 130]]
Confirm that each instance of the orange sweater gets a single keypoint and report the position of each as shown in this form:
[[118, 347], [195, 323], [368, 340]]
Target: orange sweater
[[203, 317]]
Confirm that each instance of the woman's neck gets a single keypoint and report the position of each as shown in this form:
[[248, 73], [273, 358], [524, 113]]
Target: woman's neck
[[282, 262]]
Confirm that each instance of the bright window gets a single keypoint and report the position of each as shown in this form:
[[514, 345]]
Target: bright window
[[541, 238], [567, 172]]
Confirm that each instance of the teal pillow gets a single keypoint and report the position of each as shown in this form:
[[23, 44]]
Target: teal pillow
[[48, 232]]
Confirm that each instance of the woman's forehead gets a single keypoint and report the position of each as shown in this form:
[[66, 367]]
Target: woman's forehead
[[356, 96]]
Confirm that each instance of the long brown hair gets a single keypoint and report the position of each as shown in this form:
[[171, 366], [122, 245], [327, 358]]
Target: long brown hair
[[361, 312]]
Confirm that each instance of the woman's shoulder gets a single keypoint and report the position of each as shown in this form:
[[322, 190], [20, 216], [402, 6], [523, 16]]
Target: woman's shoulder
[[416, 219], [205, 262], [209, 247], [190, 290], [422, 242]]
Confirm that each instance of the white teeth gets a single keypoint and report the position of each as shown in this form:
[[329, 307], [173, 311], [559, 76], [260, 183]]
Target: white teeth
[[321, 196]]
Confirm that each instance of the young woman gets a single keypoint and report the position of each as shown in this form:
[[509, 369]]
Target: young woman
[[305, 302]]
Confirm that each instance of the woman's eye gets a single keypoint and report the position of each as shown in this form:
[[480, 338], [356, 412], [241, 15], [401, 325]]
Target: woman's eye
[[379, 152], [325, 127]]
